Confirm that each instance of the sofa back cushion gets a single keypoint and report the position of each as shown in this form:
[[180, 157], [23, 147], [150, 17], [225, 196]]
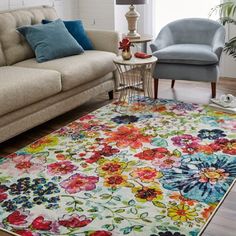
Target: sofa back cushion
[[14, 45]]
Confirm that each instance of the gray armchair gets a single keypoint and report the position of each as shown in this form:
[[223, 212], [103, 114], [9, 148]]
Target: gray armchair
[[189, 49]]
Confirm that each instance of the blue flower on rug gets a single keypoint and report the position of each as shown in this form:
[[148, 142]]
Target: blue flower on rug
[[201, 177], [211, 134], [168, 233], [185, 106], [125, 119], [212, 121]]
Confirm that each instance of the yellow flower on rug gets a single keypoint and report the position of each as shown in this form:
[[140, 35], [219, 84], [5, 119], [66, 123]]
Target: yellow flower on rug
[[182, 213]]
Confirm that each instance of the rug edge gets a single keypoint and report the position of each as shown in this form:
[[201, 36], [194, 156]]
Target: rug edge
[[217, 208]]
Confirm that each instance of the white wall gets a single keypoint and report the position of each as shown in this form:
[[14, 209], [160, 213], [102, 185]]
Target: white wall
[[66, 9], [228, 64], [103, 14], [97, 14]]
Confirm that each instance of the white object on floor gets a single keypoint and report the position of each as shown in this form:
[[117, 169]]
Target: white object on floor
[[223, 109], [225, 101]]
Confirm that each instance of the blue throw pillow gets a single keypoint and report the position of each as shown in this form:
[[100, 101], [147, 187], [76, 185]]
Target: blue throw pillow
[[50, 41], [76, 29]]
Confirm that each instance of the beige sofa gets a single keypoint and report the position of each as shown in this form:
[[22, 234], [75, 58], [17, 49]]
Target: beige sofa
[[32, 93]]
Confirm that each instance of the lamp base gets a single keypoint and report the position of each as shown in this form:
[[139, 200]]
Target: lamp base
[[133, 36], [132, 17]]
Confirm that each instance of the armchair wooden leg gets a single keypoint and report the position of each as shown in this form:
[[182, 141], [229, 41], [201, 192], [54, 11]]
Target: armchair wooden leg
[[172, 83], [156, 81], [111, 95], [213, 89]]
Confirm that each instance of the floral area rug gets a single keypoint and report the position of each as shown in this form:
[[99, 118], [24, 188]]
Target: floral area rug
[[159, 168]]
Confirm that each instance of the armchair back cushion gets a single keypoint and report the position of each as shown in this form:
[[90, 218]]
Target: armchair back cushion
[[193, 30], [14, 45]]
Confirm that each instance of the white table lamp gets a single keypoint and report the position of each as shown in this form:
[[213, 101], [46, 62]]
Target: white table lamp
[[132, 16]]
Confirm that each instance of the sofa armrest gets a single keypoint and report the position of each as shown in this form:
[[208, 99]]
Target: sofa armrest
[[218, 42], [164, 39], [105, 40]]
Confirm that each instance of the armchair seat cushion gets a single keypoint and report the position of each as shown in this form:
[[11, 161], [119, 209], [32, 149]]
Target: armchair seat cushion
[[191, 54]]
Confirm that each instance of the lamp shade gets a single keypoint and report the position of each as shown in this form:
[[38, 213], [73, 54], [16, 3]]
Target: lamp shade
[[131, 2]]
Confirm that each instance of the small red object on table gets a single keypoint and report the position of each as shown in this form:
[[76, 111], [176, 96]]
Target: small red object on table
[[142, 55]]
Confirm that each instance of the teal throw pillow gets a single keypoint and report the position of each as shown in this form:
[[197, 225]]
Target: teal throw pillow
[[76, 29], [50, 41]]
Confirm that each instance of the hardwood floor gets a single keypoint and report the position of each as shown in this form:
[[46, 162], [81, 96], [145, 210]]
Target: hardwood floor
[[223, 223]]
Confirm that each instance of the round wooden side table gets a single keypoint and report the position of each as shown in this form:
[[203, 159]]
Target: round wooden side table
[[143, 40], [135, 77]]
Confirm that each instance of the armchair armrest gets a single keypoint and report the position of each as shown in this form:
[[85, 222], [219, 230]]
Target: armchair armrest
[[164, 39], [218, 42], [104, 40]]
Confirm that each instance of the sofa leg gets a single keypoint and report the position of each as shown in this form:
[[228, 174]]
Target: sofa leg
[[111, 95], [172, 83], [213, 89], [156, 82]]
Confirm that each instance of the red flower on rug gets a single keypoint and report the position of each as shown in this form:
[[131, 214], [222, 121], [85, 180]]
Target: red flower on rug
[[24, 163], [17, 218], [3, 195], [128, 136], [40, 224], [208, 211], [106, 151], [180, 198], [87, 117], [100, 233], [75, 221], [146, 174], [225, 145], [78, 182], [152, 154], [61, 168], [23, 232], [115, 181]]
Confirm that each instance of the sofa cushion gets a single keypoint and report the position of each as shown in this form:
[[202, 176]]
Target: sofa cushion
[[21, 87], [14, 45], [42, 40], [79, 69], [76, 29], [2, 57], [192, 54]]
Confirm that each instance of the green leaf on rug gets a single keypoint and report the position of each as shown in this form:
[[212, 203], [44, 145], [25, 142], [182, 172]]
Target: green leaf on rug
[[118, 219], [131, 203], [159, 204], [173, 228], [159, 217], [41, 154], [134, 211], [93, 209], [70, 209], [88, 195], [177, 153], [4, 179], [109, 227], [116, 198], [127, 230], [144, 215], [120, 211], [79, 209], [105, 196], [159, 142], [162, 228], [138, 228]]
